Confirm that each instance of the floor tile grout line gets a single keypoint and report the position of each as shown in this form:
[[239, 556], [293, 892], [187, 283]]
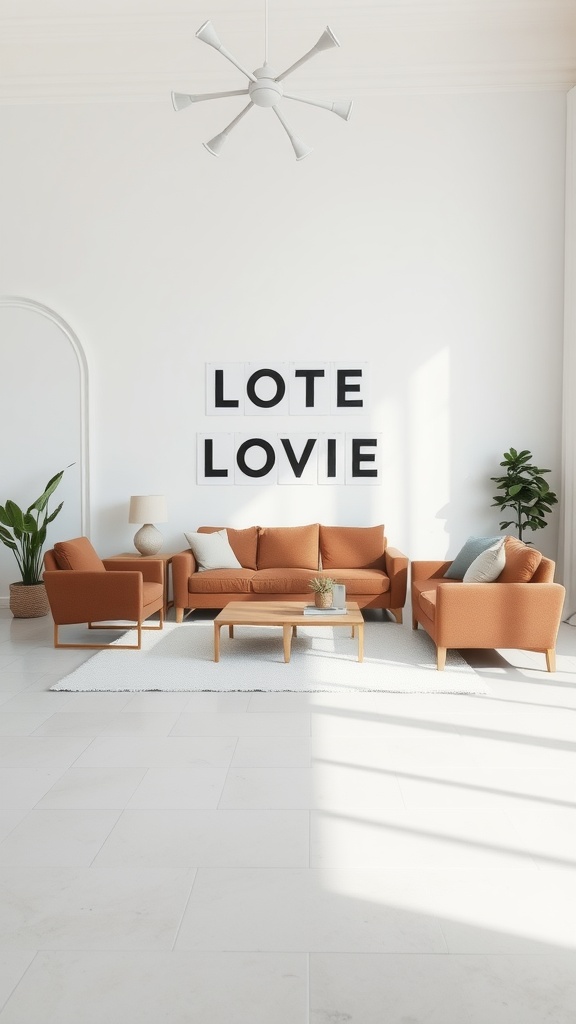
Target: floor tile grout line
[[228, 767]]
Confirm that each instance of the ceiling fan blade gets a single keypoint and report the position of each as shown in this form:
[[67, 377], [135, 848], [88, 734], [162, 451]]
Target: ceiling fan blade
[[326, 42], [208, 35], [300, 148], [214, 146], [182, 99], [341, 107]]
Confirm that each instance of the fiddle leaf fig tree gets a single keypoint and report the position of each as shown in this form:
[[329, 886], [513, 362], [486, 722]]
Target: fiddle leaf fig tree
[[25, 532], [524, 491]]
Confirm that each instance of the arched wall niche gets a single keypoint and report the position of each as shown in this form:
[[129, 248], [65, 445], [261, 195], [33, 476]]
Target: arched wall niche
[[45, 419]]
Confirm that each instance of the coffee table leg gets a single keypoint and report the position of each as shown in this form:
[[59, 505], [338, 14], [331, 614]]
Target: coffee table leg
[[287, 638], [216, 641], [231, 632], [361, 642]]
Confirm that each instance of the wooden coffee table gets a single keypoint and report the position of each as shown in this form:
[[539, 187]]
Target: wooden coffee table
[[289, 615]]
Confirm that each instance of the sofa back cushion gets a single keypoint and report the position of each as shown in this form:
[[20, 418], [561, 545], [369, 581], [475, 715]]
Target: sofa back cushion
[[545, 571], [352, 547], [244, 543], [521, 562], [288, 547], [78, 554]]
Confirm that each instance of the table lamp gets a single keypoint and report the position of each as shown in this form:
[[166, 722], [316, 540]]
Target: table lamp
[[148, 509]]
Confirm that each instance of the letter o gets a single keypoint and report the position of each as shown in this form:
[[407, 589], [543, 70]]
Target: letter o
[[265, 403], [256, 442]]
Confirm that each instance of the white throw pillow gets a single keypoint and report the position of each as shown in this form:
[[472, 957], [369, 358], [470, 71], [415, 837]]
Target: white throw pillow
[[488, 565], [212, 551]]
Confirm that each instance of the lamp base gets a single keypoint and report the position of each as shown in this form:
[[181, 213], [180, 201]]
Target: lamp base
[[148, 540]]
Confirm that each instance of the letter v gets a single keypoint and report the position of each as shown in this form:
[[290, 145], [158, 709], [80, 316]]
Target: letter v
[[298, 465]]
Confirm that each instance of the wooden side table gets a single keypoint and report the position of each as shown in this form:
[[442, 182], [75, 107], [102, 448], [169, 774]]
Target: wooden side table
[[164, 556]]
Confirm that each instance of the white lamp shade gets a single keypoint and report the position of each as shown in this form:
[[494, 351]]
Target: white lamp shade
[[148, 508]]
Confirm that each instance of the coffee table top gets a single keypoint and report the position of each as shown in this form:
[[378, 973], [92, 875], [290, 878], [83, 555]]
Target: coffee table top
[[284, 613]]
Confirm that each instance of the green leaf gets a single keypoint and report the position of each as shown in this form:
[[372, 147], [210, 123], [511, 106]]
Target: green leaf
[[14, 515], [7, 540], [54, 513], [51, 486]]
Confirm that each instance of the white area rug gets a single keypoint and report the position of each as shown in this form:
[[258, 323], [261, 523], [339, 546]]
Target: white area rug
[[397, 659]]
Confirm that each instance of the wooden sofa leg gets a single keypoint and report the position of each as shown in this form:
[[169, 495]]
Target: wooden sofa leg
[[414, 622], [397, 613], [179, 615], [551, 659], [440, 658]]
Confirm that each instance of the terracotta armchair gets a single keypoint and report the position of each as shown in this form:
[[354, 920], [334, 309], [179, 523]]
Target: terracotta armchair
[[522, 609], [83, 588]]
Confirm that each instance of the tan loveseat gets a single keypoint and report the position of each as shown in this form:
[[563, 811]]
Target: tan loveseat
[[521, 609], [277, 563]]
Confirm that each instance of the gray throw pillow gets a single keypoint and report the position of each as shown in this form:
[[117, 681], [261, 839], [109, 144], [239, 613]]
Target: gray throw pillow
[[473, 547]]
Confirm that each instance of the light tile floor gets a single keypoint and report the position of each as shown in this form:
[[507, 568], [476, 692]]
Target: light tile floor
[[286, 858]]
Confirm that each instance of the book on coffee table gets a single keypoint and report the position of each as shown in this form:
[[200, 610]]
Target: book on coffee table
[[311, 609]]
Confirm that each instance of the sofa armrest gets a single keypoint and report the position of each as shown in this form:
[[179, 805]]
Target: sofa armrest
[[76, 596], [428, 570], [397, 570], [522, 615], [183, 567], [152, 569]]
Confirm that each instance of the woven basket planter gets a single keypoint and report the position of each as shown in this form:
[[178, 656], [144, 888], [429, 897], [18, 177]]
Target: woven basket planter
[[28, 602], [323, 600]]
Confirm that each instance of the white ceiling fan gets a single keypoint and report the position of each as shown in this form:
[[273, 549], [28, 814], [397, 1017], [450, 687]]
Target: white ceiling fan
[[264, 88]]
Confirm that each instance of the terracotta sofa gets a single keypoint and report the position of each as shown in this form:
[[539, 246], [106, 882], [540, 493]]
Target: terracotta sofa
[[521, 609], [278, 562]]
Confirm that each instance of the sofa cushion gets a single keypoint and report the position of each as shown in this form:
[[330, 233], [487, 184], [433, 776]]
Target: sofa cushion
[[244, 543], [282, 581], [487, 567], [78, 554], [521, 562], [362, 581], [221, 581], [151, 593], [355, 547], [427, 602], [212, 551], [473, 547], [421, 587], [288, 547], [426, 593]]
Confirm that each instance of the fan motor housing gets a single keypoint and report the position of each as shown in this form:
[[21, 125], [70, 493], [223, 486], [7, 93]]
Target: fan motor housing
[[265, 92]]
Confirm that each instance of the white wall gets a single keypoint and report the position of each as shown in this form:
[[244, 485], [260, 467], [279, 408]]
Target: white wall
[[425, 237]]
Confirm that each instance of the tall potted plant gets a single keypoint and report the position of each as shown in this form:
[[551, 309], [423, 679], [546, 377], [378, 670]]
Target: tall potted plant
[[25, 533], [525, 491]]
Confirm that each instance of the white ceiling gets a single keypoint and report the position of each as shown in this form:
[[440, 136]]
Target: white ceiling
[[100, 50]]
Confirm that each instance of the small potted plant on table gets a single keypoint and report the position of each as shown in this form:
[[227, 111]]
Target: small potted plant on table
[[24, 533], [322, 587]]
